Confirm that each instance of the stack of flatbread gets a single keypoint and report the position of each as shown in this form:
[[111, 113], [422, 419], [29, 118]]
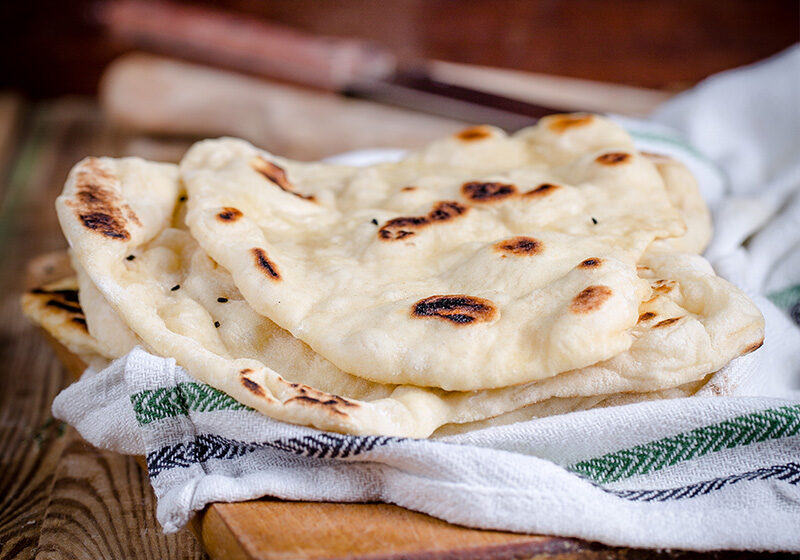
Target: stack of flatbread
[[484, 279]]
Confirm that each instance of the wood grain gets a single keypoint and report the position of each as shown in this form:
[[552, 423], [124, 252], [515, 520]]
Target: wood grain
[[59, 498], [276, 529], [11, 113], [102, 506]]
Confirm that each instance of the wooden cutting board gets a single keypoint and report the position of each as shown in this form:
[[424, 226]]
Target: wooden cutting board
[[271, 529]]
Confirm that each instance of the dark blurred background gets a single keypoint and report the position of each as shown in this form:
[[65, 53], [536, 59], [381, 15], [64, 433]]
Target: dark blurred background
[[56, 47]]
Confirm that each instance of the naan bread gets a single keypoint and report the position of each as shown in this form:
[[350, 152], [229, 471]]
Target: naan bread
[[111, 335], [475, 263], [167, 291], [655, 361], [557, 405], [144, 276], [180, 303], [65, 310], [60, 321], [112, 210], [55, 308], [684, 194]]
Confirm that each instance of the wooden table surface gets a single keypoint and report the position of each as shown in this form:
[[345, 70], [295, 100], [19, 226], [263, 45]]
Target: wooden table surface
[[59, 497]]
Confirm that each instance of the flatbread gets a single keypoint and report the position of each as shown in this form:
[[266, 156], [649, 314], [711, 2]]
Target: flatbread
[[169, 295], [655, 361], [684, 194], [475, 263], [58, 320], [55, 308], [52, 317], [560, 405], [112, 337]]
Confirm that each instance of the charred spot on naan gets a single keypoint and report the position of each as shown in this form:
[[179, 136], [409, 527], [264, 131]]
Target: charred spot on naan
[[484, 192], [663, 286], [561, 123], [408, 188], [253, 387], [400, 228], [590, 299], [68, 307], [594, 262], [98, 204], [753, 347], [264, 264], [519, 245], [613, 158], [229, 214], [67, 295], [332, 404], [646, 316], [314, 397], [474, 133], [667, 322], [445, 211], [542, 190], [318, 396], [65, 301], [458, 309], [249, 384], [105, 224], [277, 176]]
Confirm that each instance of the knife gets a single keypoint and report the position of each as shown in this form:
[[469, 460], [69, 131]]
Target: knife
[[352, 67]]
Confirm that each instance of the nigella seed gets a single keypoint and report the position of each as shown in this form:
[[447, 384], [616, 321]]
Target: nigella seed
[[175, 287], [216, 324], [594, 221], [130, 257], [183, 198], [222, 300], [374, 221]]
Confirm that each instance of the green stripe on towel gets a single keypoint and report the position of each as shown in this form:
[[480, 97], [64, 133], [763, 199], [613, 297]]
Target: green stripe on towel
[[759, 426], [158, 404], [785, 298]]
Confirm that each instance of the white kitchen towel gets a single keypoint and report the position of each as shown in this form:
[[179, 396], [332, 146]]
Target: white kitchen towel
[[699, 473]]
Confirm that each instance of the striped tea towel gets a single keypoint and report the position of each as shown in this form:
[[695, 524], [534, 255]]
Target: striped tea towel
[[699, 473]]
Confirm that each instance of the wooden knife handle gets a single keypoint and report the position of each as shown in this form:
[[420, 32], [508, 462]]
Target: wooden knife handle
[[245, 43]]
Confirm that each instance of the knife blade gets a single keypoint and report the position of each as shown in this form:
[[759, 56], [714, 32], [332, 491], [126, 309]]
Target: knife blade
[[415, 89]]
